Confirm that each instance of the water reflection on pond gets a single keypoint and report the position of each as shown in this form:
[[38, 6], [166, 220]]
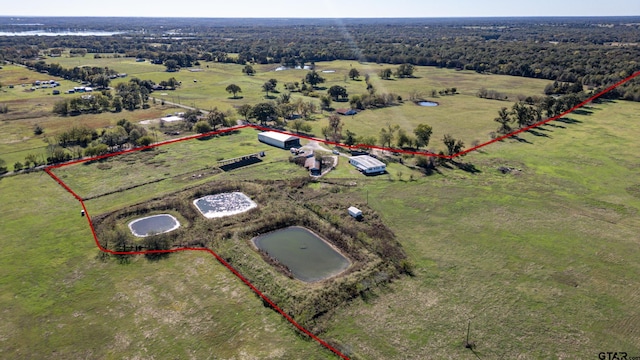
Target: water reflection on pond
[[309, 257], [156, 224]]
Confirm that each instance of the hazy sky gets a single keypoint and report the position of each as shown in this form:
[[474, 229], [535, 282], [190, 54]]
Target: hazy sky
[[320, 8]]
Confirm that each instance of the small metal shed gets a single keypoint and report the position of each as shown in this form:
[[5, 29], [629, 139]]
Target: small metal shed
[[355, 212]]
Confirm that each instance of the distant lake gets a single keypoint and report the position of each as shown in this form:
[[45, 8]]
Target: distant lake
[[60, 33]]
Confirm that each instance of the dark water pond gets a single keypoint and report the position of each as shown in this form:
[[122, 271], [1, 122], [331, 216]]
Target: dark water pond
[[428, 103], [156, 224], [309, 257]]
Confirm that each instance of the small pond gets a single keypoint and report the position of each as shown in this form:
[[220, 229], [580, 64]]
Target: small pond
[[428, 103], [309, 257], [225, 204], [156, 224]]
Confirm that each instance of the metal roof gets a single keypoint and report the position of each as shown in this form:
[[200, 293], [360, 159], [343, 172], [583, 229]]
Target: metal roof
[[367, 161], [278, 136]]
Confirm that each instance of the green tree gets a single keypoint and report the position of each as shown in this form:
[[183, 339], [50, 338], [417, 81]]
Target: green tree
[[134, 135], [61, 107], [173, 83], [354, 74], [117, 104], [356, 102], [453, 146], [313, 78], [299, 125], [171, 65], [326, 132], [290, 86], [325, 102], [405, 70], [386, 137], [3, 166], [286, 110], [100, 81], [305, 109], [335, 124], [366, 140], [202, 127], [233, 89], [264, 112], [96, 150], [145, 140], [522, 114], [31, 159], [403, 139], [284, 98], [337, 91], [216, 118], [126, 124], [351, 138], [17, 166], [268, 86], [57, 154], [504, 118], [248, 69], [423, 135], [192, 116], [245, 110], [385, 74], [157, 242], [116, 136]]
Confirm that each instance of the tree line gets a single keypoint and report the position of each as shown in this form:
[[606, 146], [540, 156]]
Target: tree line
[[584, 52], [532, 110], [130, 96]]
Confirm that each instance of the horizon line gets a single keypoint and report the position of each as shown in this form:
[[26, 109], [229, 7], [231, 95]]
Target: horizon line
[[329, 18]]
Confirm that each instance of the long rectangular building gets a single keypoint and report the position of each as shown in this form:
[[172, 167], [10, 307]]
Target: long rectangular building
[[283, 141], [367, 164]]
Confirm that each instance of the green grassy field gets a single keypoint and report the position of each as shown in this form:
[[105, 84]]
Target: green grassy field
[[28, 108], [542, 261], [60, 301], [464, 116]]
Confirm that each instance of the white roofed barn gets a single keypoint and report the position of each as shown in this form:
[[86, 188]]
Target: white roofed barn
[[283, 141]]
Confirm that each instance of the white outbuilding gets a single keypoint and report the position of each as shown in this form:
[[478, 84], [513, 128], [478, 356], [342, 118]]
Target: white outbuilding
[[283, 141], [367, 164], [171, 118], [355, 212]]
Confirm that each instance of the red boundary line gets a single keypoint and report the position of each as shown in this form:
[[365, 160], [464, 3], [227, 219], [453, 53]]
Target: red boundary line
[[49, 171]]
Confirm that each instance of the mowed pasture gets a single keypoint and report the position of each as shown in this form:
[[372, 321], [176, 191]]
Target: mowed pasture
[[465, 116], [542, 261]]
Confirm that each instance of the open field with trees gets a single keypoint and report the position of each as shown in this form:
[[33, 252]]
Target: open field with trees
[[549, 270], [530, 242], [471, 121]]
